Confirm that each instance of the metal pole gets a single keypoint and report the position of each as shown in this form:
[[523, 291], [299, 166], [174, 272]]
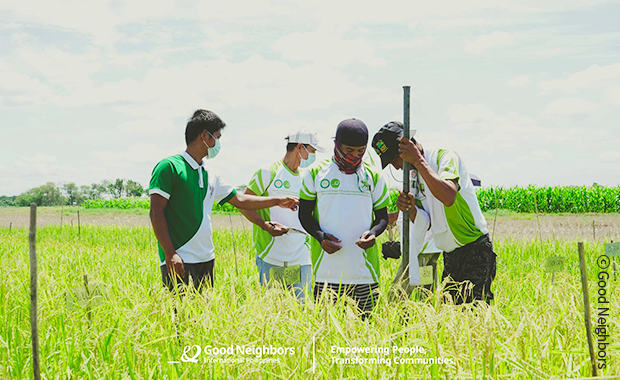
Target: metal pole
[[586, 305], [79, 233], [406, 169], [34, 330]]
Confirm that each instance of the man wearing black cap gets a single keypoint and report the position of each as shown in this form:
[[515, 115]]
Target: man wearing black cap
[[343, 206], [444, 199]]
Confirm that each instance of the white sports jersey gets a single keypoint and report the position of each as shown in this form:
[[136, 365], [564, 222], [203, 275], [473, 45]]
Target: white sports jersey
[[292, 247]]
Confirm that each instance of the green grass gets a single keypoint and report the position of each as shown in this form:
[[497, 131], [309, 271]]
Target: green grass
[[531, 330]]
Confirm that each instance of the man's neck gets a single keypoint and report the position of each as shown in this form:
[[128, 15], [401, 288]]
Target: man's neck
[[292, 160], [197, 153]]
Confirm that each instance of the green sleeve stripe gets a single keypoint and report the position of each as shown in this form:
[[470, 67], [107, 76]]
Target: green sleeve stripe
[[383, 204], [384, 195], [306, 197], [228, 197], [260, 180], [440, 154], [448, 175], [306, 192]]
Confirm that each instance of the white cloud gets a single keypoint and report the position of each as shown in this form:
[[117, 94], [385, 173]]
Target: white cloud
[[571, 107], [594, 75], [327, 47], [148, 126], [31, 171], [536, 155], [612, 95], [487, 41], [137, 153], [20, 90], [68, 70], [521, 80], [470, 113], [610, 156], [254, 82], [417, 42]]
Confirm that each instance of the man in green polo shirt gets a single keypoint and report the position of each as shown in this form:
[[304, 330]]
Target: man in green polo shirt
[[182, 194]]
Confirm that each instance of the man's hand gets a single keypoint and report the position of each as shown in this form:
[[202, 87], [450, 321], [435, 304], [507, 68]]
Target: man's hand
[[366, 241], [175, 266], [288, 202], [406, 202], [409, 152], [275, 229], [328, 244]]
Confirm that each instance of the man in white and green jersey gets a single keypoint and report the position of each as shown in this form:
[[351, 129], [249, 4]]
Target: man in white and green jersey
[[343, 206], [443, 199], [279, 238], [182, 193]]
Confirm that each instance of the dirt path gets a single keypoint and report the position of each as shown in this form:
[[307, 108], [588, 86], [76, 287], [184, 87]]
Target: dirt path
[[551, 226]]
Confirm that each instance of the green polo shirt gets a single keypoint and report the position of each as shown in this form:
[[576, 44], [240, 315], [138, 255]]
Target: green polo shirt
[[190, 190]]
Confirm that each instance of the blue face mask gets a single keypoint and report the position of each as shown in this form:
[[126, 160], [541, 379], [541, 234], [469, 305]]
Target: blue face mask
[[214, 150], [307, 161]]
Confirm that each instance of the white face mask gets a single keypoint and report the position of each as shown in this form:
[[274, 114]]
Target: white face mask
[[214, 150], [305, 162]]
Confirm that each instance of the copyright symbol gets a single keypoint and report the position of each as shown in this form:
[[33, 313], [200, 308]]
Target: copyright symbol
[[603, 262]]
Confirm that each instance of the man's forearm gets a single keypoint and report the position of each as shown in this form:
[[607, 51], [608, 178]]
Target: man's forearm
[[253, 217], [380, 223], [253, 202], [160, 228], [441, 189], [308, 222]]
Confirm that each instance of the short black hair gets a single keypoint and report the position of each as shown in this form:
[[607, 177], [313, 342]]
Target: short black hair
[[291, 146], [202, 120]]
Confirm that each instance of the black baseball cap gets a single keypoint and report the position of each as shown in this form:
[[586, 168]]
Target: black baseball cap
[[352, 132], [385, 142]]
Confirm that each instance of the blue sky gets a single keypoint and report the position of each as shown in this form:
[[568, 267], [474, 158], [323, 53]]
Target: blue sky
[[526, 93]]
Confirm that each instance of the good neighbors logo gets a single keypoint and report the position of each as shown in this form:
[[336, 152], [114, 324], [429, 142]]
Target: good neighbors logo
[[278, 184], [233, 354], [335, 183]]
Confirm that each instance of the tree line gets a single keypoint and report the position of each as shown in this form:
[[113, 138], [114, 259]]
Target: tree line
[[69, 193]]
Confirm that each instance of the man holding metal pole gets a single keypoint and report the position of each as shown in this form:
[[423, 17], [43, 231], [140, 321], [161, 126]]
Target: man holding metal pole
[[443, 200]]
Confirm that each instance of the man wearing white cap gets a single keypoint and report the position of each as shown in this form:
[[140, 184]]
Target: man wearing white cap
[[282, 252]]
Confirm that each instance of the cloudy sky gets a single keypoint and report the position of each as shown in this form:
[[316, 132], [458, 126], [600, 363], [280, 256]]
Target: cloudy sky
[[527, 92]]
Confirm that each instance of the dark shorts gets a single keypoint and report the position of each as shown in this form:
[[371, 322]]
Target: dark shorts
[[476, 263], [200, 273], [364, 295]]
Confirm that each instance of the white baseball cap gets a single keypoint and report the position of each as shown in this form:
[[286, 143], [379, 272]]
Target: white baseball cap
[[304, 137]]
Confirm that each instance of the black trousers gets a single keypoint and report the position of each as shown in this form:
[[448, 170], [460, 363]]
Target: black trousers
[[365, 295], [476, 263], [200, 273]]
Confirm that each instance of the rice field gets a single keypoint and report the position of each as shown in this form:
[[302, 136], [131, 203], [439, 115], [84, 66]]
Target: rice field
[[138, 330], [532, 199]]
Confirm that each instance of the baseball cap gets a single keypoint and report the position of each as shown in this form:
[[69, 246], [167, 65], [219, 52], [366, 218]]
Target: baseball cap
[[352, 132], [385, 142], [304, 137]]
